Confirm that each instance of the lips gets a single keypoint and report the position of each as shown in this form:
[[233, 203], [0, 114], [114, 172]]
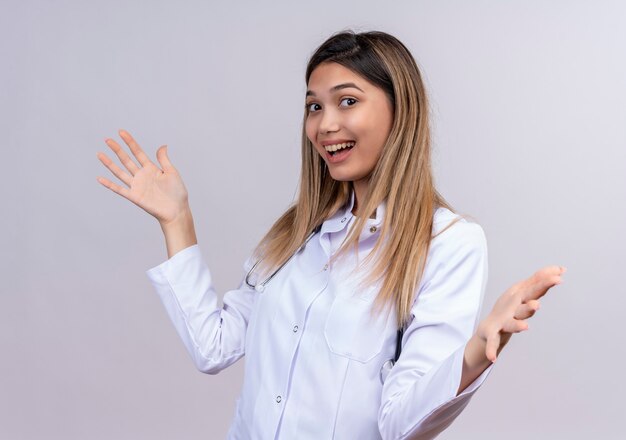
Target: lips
[[335, 141]]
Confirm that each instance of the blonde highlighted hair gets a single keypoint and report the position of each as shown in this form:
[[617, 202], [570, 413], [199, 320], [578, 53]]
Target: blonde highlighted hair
[[402, 177]]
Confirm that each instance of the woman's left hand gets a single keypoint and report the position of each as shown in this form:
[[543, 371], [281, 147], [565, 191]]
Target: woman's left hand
[[514, 307]]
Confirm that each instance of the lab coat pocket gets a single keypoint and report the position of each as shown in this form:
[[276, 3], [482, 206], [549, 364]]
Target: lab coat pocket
[[352, 331]]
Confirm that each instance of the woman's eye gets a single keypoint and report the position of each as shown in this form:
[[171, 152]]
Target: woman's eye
[[349, 99], [310, 107]]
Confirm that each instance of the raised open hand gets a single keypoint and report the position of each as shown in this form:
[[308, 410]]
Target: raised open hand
[[514, 306], [158, 191]]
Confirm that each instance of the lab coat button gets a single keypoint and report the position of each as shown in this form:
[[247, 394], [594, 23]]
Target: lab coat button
[[278, 399], [326, 266], [295, 328], [343, 219], [373, 229]]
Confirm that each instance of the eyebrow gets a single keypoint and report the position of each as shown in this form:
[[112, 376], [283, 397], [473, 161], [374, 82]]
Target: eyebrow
[[337, 87]]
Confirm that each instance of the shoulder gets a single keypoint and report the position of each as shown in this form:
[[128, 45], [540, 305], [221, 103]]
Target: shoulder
[[457, 252], [453, 234]]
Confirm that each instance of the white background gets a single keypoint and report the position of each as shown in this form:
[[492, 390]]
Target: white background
[[529, 109]]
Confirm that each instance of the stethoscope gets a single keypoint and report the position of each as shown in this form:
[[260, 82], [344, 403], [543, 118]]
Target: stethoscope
[[260, 287], [389, 363]]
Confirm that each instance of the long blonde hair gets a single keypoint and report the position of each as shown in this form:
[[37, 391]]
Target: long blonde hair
[[403, 176]]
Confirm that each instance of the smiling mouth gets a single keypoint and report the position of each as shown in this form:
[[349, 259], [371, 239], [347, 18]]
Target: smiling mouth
[[334, 149]]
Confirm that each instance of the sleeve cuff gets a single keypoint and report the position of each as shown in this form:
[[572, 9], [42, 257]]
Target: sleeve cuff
[[458, 365], [450, 405], [161, 273]]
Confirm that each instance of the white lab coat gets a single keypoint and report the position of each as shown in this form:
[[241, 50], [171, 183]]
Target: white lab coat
[[313, 358]]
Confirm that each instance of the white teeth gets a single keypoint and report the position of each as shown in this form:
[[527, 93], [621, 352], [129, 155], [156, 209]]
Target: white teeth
[[336, 147]]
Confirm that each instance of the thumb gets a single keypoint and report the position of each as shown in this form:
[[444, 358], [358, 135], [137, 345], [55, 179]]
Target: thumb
[[164, 160], [491, 349]]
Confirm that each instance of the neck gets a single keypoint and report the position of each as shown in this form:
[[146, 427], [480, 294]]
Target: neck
[[360, 192]]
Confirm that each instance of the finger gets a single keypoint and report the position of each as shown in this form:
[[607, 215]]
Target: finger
[[164, 160], [491, 348], [117, 171], [115, 187], [515, 326], [135, 148], [541, 281], [123, 157], [526, 310]]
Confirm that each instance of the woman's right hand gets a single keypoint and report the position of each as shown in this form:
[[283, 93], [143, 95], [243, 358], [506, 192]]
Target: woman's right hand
[[159, 192]]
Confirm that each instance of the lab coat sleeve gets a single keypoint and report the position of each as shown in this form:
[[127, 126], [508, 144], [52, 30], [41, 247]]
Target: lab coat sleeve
[[213, 335], [419, 395]]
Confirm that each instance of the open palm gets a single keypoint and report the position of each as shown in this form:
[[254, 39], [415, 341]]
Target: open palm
[[158, 191], [513, 308]]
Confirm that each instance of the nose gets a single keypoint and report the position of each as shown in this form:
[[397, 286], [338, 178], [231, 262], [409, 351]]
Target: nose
[[329, 122]]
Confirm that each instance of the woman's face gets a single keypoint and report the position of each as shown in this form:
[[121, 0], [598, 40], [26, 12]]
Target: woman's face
[[343, 107]]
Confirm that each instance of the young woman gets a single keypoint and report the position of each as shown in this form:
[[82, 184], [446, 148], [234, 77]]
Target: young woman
[[358, 309]]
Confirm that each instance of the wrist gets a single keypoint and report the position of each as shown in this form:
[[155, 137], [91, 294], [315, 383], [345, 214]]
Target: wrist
[[481, 332], [179, 233], [475, 352], [181, 219]]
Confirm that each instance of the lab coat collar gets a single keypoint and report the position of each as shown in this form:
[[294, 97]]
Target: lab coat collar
[[343, 215]]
